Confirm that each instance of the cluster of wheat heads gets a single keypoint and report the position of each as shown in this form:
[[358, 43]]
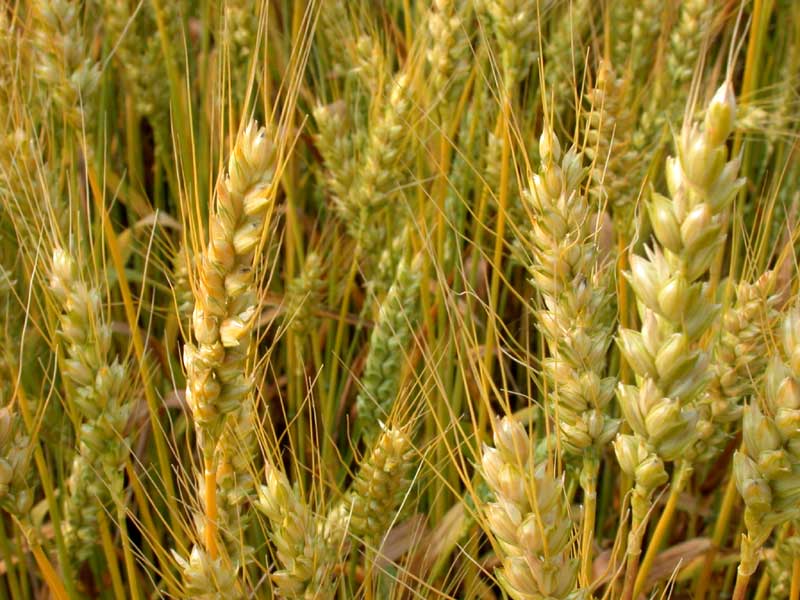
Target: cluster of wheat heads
[[399, 299]]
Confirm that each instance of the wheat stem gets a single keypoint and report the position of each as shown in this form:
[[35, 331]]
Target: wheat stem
[[720, 529], [591, 467], [740, 591], [111, 559], [663, 527], [11, 570], [210, 492], [633, 555], [794, 592], [130, 564], [49, 574]]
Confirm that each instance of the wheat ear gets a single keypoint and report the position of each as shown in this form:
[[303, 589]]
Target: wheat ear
[[530, 519], [226, 301], [64, 64], [740, 358], [305, 555], [671, 366], [96, 477], [767, 469], [388, 347], [371, 503], [575, 280]]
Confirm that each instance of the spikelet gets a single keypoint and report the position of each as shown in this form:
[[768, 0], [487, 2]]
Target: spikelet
[[388, 347], [576, 283], [671, 366], [530, 519], [767, 470], [64, 65], [306, 558], [96, 478], [371, 504], [225, 299]]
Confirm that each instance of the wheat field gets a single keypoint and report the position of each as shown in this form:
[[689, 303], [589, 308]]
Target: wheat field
[[331, 299]]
